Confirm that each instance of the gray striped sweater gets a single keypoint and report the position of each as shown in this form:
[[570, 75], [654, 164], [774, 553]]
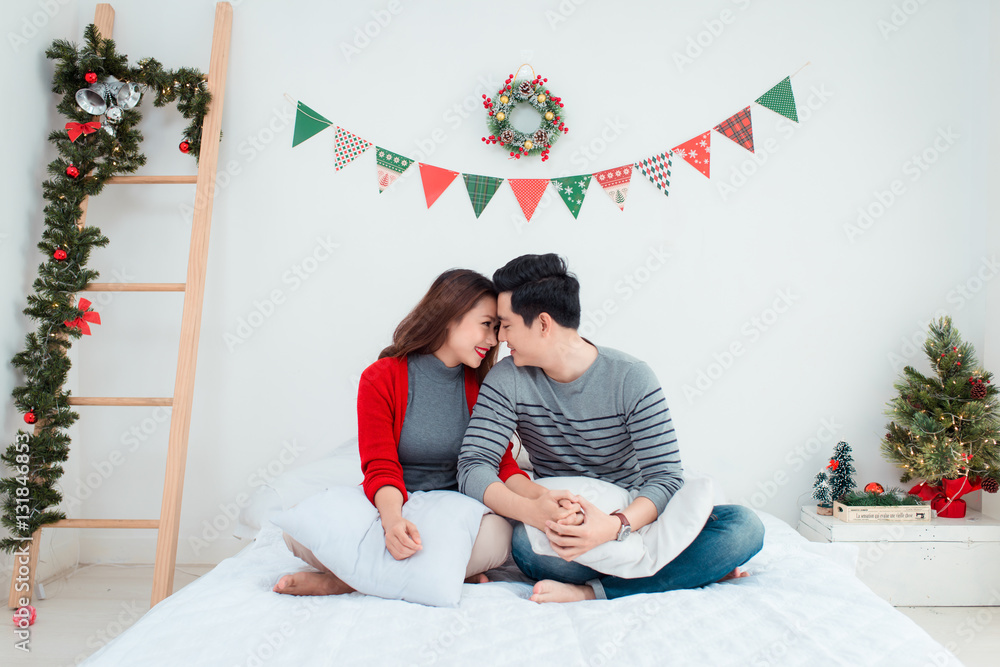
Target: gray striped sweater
[[611, 423]]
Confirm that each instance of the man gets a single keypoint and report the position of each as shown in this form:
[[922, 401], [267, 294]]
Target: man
[[583, 410]]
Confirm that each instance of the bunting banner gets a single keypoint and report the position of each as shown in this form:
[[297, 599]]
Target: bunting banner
[[390, 166], [738, 128], [308, 124], [572, 189], [780, 99], [481, 190], [528, 192], [436, 180], [346, 147], [615, 183], [697, 152], [657, 169]]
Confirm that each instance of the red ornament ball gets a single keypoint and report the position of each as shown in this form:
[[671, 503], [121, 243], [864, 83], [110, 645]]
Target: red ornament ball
[[90, 77], [184, 147], [874, 487], [30, 417], [25, 616], [72, 171], [59, 254]]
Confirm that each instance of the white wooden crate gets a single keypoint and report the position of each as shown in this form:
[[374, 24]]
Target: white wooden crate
[[941, 563]]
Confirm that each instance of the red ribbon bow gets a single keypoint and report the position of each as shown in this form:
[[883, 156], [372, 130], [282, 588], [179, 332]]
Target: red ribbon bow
[[76, 129], [82, 322], [945, 498]]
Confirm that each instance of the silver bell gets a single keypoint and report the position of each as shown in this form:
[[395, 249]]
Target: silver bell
[[128, 95], [92, 99]]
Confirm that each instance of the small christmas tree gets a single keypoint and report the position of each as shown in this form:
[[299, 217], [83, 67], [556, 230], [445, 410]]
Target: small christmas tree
[[841, 475], [945, 427], [821, 490]]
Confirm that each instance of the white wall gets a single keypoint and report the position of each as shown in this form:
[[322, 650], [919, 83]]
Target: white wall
[[820, 372]]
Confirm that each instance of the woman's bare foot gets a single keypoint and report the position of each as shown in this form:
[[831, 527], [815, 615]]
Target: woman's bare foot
[[548, 590], [311, 583], [480, 578], [735, 574]]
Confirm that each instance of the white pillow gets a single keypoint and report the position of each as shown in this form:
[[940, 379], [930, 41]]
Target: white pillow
[[647, 550], [279, 487], [342, 529]]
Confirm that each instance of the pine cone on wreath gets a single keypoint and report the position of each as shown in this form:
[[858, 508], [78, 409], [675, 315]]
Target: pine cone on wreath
[[525, 90], [978, 391], [506, 137], [990, 485], [540, 137]]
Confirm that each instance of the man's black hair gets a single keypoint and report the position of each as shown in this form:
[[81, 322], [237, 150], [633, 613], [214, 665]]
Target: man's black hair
[[541, 284]]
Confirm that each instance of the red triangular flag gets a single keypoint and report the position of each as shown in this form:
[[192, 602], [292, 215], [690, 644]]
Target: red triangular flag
[[615, 183], [697, 152], [436, 180], [528, 192], [738, 128]]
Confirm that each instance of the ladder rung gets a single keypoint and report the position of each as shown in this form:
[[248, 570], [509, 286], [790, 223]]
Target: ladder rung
[[119, 401], [105, 523], [146, 180], [134, 287]]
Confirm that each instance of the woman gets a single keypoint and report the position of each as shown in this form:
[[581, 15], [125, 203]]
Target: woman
[[414, 405]]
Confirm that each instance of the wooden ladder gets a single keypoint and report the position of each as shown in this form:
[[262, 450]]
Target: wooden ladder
[[194, 289]]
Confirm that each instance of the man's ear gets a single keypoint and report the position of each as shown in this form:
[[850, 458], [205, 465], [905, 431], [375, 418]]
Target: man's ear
[[545, 321]]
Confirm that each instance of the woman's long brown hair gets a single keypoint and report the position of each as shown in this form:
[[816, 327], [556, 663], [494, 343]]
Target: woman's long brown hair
[[425, 329]]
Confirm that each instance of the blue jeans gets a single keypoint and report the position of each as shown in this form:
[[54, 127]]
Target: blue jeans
[[730, 538]]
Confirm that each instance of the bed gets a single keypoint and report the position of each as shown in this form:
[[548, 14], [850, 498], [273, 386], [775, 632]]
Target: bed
[[802, 606]]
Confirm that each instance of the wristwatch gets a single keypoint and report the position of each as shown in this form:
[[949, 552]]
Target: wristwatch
[[625, 530]]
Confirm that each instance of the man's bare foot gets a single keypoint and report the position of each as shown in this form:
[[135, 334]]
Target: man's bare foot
[[548, 590], [480, 578], [311, 583], [735, 574]]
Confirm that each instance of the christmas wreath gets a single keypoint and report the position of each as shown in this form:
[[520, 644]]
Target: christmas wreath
[[93, 80], [534, 93]]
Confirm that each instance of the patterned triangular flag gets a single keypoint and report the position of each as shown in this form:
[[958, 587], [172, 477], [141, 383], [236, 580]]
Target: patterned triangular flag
[[572, 189], [697, 152], [481, 190], [390, 166], [780, 99], [346, 147], [738, 128], [528, 191], [615, 183], [657, 169], [307, 124], [436, 180]]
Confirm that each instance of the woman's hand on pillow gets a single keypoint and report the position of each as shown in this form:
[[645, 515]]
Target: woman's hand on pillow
[[574, 519], [553, 505], [402, 539], [570, 542]]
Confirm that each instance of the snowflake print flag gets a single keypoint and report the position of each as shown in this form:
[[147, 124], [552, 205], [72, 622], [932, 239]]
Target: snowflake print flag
[[615, 183], [390, 166], [572, 189], [697, 152]]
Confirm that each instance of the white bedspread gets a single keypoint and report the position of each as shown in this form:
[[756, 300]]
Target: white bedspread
[[801, 606]]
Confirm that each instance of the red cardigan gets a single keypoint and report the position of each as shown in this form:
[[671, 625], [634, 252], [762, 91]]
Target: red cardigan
[[381, 409]]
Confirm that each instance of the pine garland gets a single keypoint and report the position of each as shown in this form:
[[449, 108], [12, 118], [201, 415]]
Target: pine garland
[[30, 494], [892, 498]]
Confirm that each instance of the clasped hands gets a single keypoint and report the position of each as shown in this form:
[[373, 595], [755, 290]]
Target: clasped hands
[[574, 525]]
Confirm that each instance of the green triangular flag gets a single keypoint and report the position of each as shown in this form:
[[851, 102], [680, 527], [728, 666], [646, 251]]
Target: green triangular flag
[[780, 100], [481, 190], [307, 124], [572, 189]]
